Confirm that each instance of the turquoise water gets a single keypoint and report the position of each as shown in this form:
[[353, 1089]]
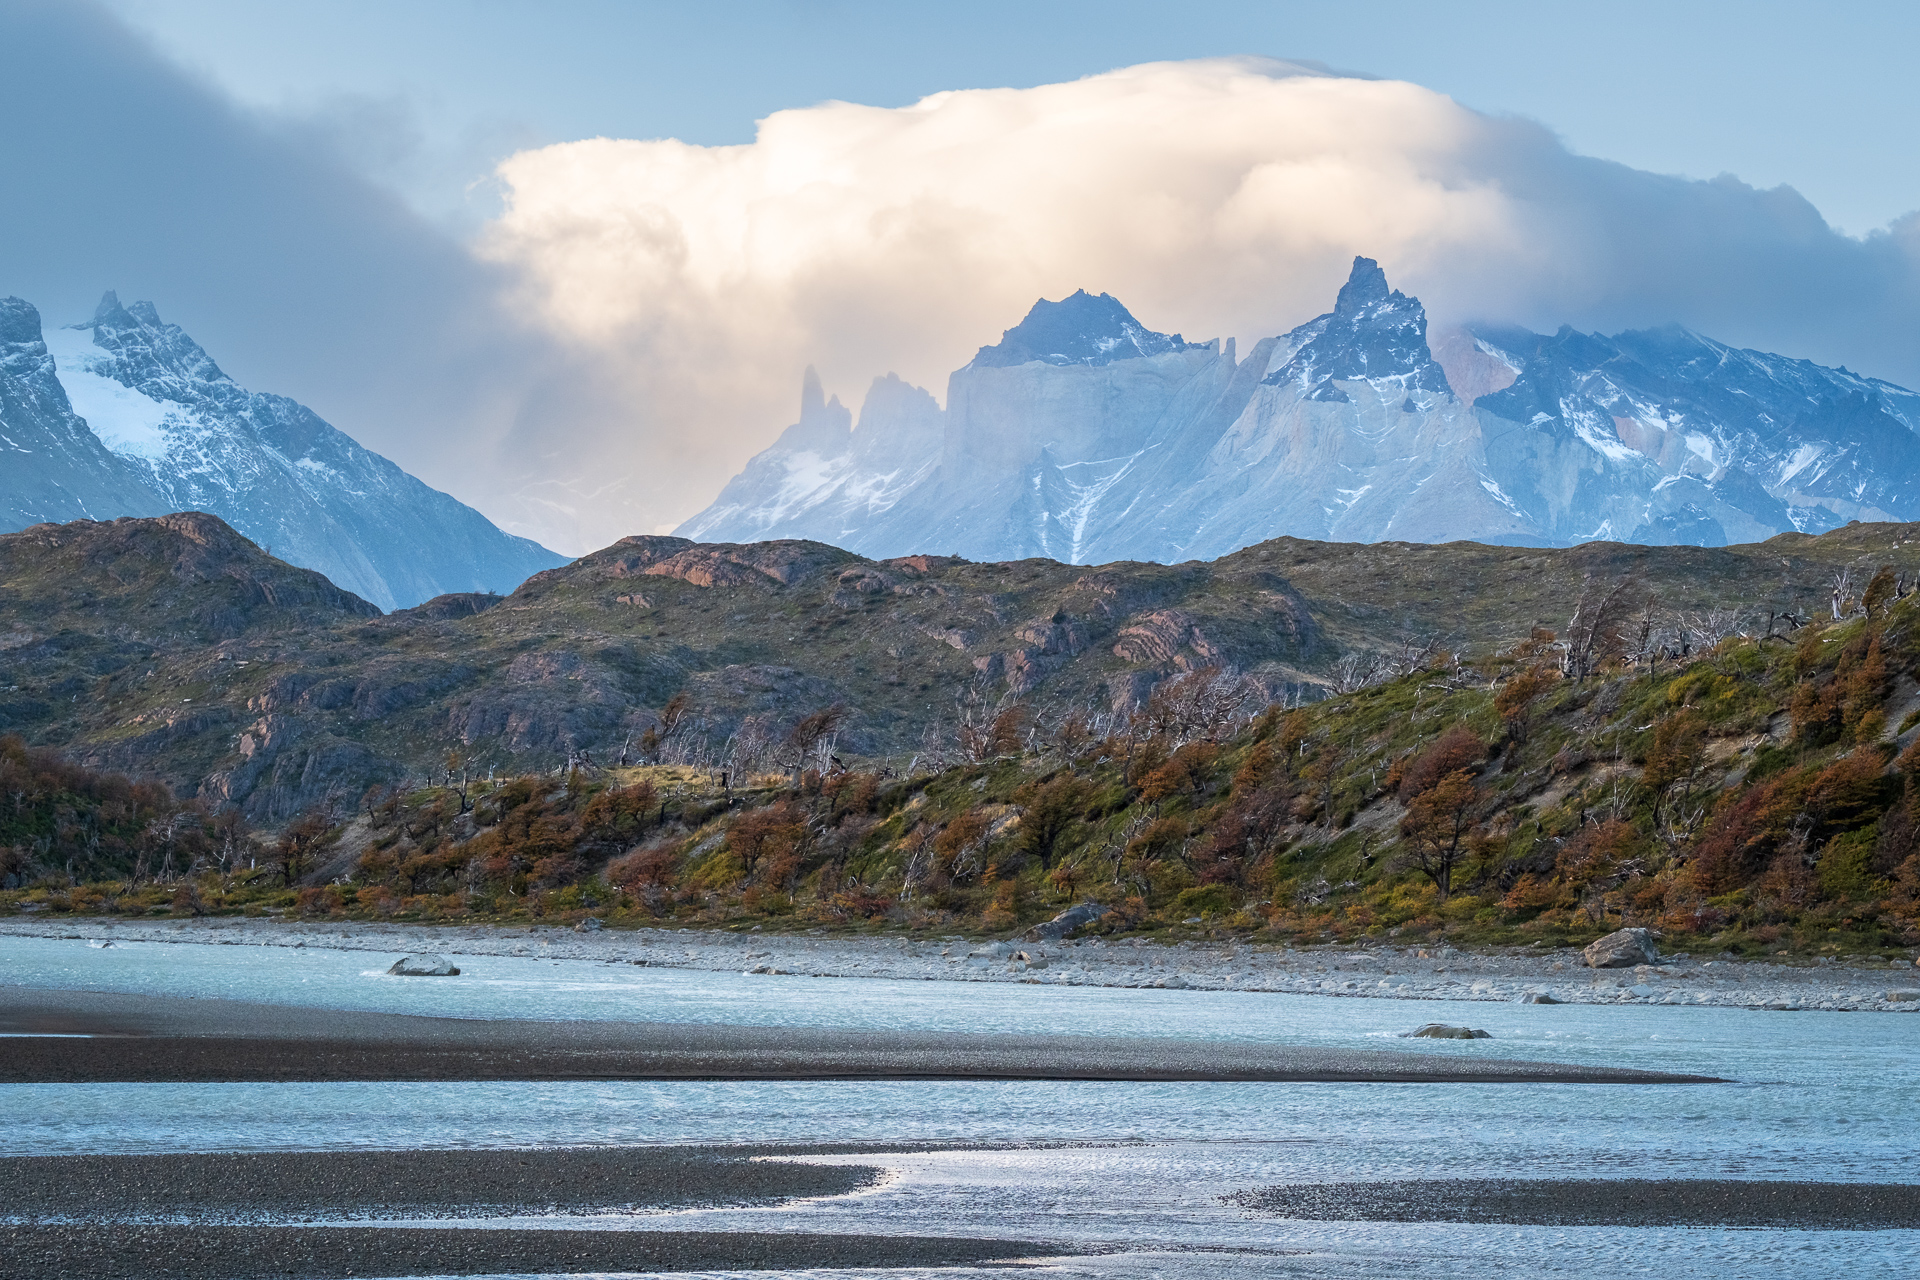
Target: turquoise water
[[1816, 1096]]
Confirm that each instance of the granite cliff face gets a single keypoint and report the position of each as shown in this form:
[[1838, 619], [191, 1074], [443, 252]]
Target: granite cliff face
[[1086, 437], [127, 415]]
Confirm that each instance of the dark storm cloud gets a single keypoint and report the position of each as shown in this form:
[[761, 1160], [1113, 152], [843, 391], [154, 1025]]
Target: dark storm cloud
[[297, 275]]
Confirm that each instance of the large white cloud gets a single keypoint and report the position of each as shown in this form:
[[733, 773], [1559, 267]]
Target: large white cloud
[[1220, 197]]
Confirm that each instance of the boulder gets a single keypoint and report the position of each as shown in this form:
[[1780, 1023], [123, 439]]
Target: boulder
[[1621, 950], [1901, 996], [1066, 922], [1441, 1031], [423, 966], [1540, 997], [589, 925]]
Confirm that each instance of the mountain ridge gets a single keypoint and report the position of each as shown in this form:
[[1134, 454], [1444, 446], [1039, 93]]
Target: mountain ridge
[[129, 416], [1355, 426]]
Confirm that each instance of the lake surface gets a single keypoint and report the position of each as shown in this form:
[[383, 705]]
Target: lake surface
[[1138, 1167]]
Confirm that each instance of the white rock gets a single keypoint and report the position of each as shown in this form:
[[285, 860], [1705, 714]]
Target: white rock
[[1441, 1031]]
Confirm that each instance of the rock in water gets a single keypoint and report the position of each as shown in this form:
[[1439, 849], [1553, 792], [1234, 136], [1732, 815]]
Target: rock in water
[[1066, 922], [423, 966], [1622, 950], [1441, 1031], [1540, 997]]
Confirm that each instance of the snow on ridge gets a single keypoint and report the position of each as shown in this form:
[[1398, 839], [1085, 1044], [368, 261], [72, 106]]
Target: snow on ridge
[[129, 423]]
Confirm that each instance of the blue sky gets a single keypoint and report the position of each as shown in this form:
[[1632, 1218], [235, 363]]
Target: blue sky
[[1821, 97]]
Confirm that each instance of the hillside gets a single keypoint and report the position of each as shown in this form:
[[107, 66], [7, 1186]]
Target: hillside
[[1752, 795], [175, 649]]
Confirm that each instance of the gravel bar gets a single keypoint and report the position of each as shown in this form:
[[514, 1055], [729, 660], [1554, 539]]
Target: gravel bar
[[229, 1185], [115, 1252], [91, 1037], [1601, 1202]]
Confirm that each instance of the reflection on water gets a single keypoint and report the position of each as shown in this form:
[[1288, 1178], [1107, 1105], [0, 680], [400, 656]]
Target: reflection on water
[[1821, 1096]]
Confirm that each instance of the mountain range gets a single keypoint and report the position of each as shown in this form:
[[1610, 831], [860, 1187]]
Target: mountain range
[[1084, 436], [126, 415]]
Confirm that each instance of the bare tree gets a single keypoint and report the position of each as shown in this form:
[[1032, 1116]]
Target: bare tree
[[806, 737], [1595, 633]]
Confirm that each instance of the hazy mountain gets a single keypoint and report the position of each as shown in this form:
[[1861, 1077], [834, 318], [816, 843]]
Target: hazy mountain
[[1084, 436], [127, 415]]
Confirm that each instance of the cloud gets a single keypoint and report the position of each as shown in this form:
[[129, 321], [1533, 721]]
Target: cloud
[[261, 238], [1218, 197]]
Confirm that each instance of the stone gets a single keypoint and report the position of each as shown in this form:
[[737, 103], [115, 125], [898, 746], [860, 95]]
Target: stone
[[1540, 997], [1441, 1031], [1621, 950], [590, 925], [423, 966], [1900, 996], [1066, 922], [1641, 991]]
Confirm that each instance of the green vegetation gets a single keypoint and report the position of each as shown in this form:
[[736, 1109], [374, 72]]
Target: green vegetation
[[1749, 796]]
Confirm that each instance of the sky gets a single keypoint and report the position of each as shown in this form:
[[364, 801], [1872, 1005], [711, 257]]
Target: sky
[[398, 215]]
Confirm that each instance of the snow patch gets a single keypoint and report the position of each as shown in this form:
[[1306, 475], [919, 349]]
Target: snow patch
[[127, 422], [1609, 445]]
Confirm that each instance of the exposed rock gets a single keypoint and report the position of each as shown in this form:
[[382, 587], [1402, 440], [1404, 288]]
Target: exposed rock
[[1622, 949], [1900, 996], [591, 924], [1066, 922], [1441, 1031], [1539, 997], [425, 965]]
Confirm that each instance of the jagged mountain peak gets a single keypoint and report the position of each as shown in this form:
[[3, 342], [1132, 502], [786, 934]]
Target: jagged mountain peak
[[1373, 332], [1366, 284], [1079, 329], [19, 322], [155, 357]]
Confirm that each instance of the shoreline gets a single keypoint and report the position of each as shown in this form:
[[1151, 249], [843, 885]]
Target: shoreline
[[1405, 973]]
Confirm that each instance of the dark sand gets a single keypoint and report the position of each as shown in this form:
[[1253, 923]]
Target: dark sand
[[257, 1253], [1601, 1202], [230, 1186], [154, 1038]]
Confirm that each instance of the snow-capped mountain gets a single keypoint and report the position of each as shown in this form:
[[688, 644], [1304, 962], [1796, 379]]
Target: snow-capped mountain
[[1086, 437], [156, 426], [52, 467]]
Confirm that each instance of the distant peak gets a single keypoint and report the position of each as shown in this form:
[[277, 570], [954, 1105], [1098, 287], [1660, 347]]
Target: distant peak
[[1366, 284], [1373, 332], [813, 398], [1081, 328], [109, 308]]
